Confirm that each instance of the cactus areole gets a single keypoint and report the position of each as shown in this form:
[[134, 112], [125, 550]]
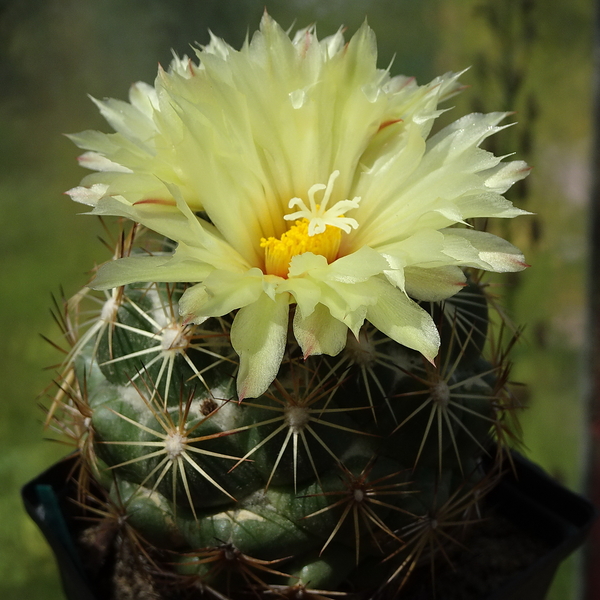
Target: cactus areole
[[289, 375]]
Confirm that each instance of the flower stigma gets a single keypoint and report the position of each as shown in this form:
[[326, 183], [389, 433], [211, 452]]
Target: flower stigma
[[316, 229]]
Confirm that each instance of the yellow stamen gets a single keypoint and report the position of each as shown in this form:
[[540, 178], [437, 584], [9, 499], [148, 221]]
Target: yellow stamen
[[296, 240]]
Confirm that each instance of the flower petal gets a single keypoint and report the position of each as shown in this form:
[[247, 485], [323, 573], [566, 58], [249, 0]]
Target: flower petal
[[162, 219], [504, 175], [183, 227], [143, 97], [482, 250], [449, 185], [88, 195], [348, 302], [306, 293], [319, 332], [258, 335], [357, 267], [137, 269], [127, 119], [403, 320], [98, 162], [220, 293], [433, 284]]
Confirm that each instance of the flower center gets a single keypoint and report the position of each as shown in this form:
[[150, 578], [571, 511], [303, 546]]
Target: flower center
[[317, 229], [297, 240]]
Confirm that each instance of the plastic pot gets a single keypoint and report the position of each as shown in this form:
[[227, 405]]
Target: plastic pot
[[529, 499], [538, 504]]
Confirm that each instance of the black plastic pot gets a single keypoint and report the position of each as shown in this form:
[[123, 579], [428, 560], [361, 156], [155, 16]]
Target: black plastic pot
[[45, 499], [529, 499], [536, 503]]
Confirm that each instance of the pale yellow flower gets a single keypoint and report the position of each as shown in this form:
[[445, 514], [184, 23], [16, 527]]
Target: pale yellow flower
[[294, 172]]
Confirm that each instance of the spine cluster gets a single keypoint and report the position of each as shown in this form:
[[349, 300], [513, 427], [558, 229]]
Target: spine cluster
[[348, 474]]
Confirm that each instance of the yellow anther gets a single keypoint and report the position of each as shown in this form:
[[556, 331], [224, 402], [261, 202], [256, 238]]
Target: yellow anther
[[296, 240]]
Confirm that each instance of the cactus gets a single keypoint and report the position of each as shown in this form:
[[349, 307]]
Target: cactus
[[345, 466], [344, 462]]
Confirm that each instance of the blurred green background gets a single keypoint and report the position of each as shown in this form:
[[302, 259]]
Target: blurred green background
[[530, 56]]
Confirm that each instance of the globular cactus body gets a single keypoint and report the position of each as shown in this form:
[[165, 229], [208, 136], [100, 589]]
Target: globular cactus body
[[338, 466]]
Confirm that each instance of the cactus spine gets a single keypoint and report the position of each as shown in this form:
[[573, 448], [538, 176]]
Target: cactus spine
[[346, 474]]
